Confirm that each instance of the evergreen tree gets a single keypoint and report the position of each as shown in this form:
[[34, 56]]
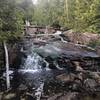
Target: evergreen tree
[[10, 20]]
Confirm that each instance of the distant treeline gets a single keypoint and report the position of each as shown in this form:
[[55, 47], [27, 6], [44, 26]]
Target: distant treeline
[[79, 15]]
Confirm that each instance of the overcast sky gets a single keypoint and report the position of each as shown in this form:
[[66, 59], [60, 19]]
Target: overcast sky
[[34, 1]]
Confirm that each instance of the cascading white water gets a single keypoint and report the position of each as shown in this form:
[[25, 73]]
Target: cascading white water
[[33, 62], [57, 35]]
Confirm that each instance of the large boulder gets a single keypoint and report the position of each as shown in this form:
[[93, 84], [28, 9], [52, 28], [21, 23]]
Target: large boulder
[[68, 50], [82, 38]]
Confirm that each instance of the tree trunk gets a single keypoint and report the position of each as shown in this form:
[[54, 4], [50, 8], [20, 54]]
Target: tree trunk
[[7, 65], [66, 9]]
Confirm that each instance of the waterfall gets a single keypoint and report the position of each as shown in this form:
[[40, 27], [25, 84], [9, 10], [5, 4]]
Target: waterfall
[[39, 91], [27, 23], [46, 30], [34, 63], [57, 34]]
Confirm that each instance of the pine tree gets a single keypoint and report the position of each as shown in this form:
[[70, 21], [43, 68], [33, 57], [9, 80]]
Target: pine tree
[[10, 22]]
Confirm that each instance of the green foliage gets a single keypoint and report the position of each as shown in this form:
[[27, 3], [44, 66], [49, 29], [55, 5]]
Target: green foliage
[[79, 15], [10, 20], [85, 15], [46, 12], [26, 8]]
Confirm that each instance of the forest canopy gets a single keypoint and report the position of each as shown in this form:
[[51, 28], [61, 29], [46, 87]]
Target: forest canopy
[[79, 15]]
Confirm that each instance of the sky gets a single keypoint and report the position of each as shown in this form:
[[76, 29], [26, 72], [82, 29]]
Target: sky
[[34, 1]]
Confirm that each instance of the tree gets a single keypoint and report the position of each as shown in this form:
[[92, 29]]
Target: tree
[[79, 15], [10, 28], [85, 15], [10, 22], [27, 9]]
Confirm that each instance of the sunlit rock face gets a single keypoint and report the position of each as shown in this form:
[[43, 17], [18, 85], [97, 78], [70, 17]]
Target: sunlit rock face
[[84, 38]]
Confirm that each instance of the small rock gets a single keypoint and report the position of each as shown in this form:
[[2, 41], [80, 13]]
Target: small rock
[[9, 96], [1, 95], [78, 67], [22, 87], [98, 50], [90, 83], [55, 97], [69, 96], [65, 77]]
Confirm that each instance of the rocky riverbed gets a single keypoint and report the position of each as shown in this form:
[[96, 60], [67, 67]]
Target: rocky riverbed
[[52, 69]]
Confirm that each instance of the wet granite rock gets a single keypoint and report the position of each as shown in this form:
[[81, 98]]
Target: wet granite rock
[[9, 96], [55, 97], [69, 50], [66, 96], [98, 50], [66, 55], [78, 64], [90, 84], [69, 96], [1, 93], [22, 87], [66, 77]]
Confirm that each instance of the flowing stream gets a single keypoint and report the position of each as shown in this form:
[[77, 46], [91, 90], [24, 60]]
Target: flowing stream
[[36, 66], [35, 71], [53, 68]]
